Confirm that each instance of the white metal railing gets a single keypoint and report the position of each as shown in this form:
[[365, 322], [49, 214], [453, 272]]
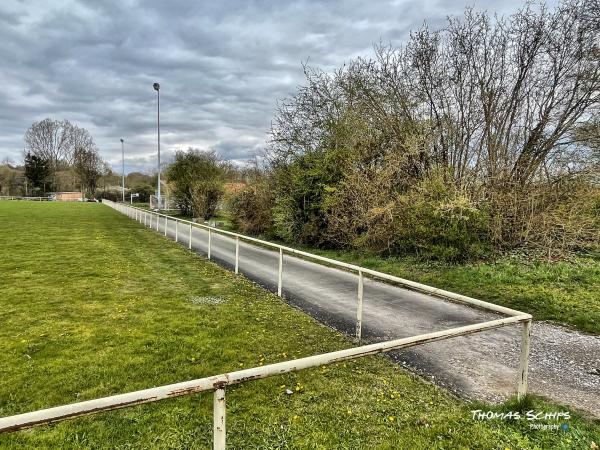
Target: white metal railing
[[141, 215], [12, 197], [137, 214], [218, 383]]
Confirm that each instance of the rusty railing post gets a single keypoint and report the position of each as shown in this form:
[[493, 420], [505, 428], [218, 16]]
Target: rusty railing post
[[219, 433], [280, 274], [524, 360], [237, 254], [359, 306]]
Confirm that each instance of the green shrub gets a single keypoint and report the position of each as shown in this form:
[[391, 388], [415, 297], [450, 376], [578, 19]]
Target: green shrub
[[250, 208], [436, 221], [196, 179], [299, 191]]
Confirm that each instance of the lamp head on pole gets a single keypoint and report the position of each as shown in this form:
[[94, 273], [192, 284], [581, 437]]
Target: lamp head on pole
[[122, 141], [156, 86]]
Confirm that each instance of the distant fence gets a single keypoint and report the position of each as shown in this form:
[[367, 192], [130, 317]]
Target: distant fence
[[219, 383], [36, 199]]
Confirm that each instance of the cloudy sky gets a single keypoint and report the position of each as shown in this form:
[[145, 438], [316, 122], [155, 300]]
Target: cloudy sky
[[222, 65]]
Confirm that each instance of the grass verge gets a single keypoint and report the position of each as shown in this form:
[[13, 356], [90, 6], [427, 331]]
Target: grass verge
[[565, 292], [93, 304]]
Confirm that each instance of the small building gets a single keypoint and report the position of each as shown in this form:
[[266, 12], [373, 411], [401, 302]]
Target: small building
[[68, 196]]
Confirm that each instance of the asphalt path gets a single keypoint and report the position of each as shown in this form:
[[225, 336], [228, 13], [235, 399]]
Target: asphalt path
[[564, 364]]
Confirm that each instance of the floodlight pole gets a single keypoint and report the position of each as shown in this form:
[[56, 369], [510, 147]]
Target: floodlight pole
[[156, 87], [123, 167]]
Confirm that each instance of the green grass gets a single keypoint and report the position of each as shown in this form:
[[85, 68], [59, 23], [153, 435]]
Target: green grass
[[93, 304], [565, 292]]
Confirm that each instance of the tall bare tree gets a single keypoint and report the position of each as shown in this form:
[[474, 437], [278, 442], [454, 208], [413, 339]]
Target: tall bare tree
[[89, 167], [503, 95], [55, 141]]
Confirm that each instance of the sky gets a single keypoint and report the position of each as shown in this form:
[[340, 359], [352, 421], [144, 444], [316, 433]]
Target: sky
[[222, 65]]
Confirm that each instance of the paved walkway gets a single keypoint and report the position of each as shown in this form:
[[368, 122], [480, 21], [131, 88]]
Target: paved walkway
[[564, 365]]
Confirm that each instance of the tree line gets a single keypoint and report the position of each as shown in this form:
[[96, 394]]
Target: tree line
[[477, 137], [60, 156]]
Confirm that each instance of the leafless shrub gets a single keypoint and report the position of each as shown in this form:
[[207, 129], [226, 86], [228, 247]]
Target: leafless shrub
[[501, 108]]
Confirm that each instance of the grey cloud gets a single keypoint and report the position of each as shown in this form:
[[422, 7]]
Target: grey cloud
[[222, 65]]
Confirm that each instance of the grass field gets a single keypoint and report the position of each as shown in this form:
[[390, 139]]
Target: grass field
[[93, 304]]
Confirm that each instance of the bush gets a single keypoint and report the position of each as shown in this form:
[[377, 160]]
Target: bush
[[145, 191], [250, 208], [437, 221], [299, 191], [115, 196], [563, 219], [197, 179], [204, 197]]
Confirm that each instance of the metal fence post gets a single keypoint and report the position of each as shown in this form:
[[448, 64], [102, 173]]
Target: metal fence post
[[524, 359], [209, 238], [359, 306], [219, 433], [237, 253], [166, 223], [157, 220], [176, 230], [190, 240], [280, 275]]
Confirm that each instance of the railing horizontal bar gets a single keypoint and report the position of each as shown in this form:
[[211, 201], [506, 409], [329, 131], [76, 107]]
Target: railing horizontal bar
[[10, 197], [60, 413], [440, 293]]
